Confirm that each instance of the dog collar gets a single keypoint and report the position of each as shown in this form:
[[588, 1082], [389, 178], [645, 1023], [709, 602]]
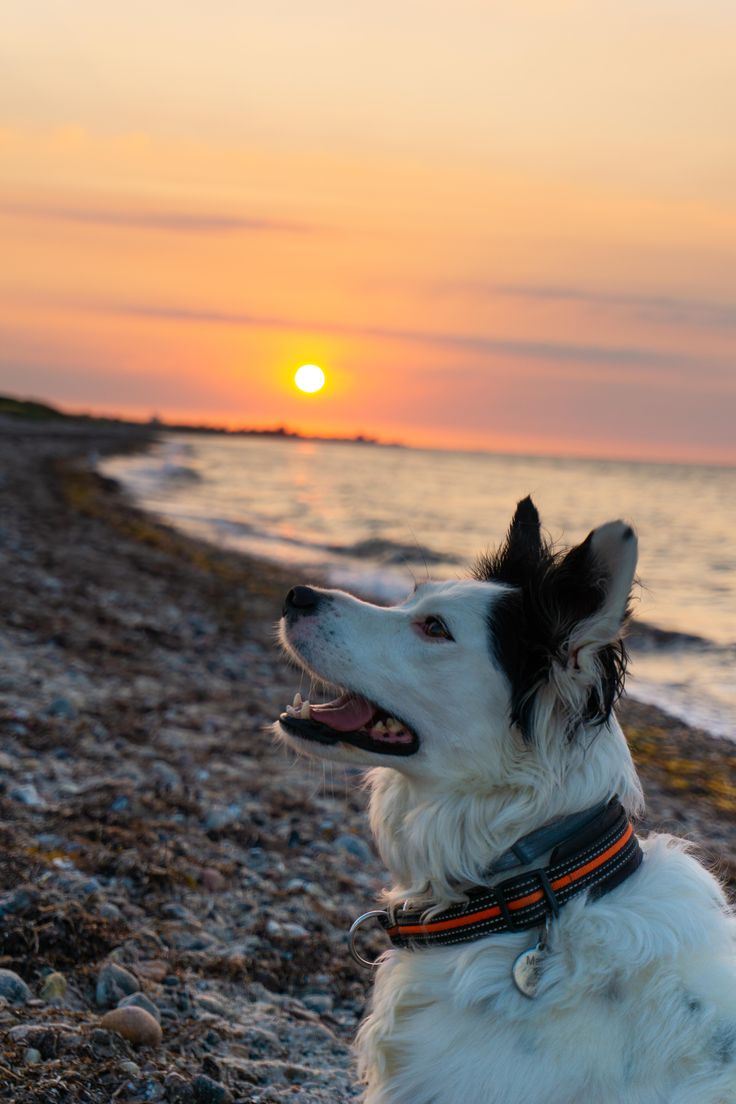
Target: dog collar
[[595, 857]]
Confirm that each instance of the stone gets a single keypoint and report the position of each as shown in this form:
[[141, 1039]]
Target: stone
[[178, 1089], [354, 845], [221, 816], [114, 982], [134, 1024], [140, 1000], [53, 988], [212, 880], [28, 795], [13, 988], [32, 1056], [62, 707], [153, 968], [207, 1091], [130, 1069]]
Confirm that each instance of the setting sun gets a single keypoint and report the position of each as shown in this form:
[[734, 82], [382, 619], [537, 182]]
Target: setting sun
[[309, 378]]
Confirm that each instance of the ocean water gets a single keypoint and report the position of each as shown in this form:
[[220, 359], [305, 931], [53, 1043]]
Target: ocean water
[[372, 519]]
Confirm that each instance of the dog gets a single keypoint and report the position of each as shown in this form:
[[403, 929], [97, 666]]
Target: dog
[[541, 953]]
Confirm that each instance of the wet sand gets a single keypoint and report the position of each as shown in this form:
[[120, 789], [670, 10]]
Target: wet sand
[[147, 820]]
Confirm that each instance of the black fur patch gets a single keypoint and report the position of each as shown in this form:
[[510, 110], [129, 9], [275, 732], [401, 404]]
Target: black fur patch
[[531, 625]]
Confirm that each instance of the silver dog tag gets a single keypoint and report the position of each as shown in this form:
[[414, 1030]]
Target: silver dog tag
[[527, 970]]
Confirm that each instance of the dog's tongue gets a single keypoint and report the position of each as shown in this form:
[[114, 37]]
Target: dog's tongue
[[345, 714]]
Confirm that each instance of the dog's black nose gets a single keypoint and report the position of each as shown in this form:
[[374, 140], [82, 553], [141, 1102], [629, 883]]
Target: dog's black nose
[[300, 600]]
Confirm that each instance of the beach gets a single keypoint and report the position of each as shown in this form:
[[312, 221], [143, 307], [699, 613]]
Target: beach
[[155, 840]]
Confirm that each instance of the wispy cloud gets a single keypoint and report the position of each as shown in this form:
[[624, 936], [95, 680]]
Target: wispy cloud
[[188, 222], [609, 355], [651, 308]]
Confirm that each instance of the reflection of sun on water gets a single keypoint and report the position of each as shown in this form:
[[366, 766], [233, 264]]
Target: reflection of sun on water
[[309, 378]]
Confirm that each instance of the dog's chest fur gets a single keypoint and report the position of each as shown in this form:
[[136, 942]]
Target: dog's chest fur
[[637, 1005]]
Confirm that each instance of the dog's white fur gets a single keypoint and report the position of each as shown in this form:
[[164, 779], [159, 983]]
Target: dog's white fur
[[637, 1001]]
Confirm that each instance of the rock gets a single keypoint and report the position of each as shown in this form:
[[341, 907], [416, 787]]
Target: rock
[[110, 911], [33, 1032], [178, 1089], [354, 845], [134, 1024], [114, 982], [140, 1000], [13, 988], [221, 816], [212, 880], [131, 1069], [20, 900], [153, 968], [207, 1091], [286, 930], [212, 1005], [62, 707], [32, 1057], [53, 988], [318, 1002], [28, 795]]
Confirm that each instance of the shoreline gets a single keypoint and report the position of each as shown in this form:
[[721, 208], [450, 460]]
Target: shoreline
[[146, 817]]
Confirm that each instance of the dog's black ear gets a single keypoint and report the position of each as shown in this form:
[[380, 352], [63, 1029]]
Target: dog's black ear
[[520, 552], [589, 589]]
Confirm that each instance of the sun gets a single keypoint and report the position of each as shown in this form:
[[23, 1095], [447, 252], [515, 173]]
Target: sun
[[309, 378]]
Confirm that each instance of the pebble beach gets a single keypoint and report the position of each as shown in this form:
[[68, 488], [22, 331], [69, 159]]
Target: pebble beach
[[175, 889]]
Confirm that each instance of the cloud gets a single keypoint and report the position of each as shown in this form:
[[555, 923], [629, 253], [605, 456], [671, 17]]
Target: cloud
[[651, 308], [552, 351], [188, 222]]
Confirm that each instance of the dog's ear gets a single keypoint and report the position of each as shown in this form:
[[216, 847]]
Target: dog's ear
[[591, 588], [593, 585], [521, 551]]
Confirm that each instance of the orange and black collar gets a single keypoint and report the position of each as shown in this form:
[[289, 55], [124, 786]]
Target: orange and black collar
[[595, 859]]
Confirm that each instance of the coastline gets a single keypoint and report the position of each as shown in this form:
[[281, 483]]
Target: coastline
[[147, 818]]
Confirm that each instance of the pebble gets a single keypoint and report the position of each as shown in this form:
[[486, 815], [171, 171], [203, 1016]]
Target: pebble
[[54, 987], [212, 880], [114, 982], [13, 988], [286, 930], [134, 1024], [207, 1091], [132, 1069], [220, 816], [32, 1056], [28, 795], [140, 1000], [62, 707], [178, 1089], [110, 911], [354, 845]]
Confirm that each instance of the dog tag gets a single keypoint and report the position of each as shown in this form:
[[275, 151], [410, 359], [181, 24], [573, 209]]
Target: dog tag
[[527, 969]]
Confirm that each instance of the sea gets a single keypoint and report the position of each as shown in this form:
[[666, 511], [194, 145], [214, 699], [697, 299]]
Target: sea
[[373, 519]]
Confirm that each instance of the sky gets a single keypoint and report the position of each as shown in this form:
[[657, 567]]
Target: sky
[[497, 226]]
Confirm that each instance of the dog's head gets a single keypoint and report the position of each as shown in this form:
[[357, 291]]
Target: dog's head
[[462, 675]]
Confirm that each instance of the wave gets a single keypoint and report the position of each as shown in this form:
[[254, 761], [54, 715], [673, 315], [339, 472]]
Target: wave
[[392, 552], [645, 637]]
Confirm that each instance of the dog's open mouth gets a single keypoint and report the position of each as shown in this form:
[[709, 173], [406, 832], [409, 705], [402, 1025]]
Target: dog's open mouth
[[350, 719]]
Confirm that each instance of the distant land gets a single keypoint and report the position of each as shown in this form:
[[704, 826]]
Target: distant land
[[33, 410]]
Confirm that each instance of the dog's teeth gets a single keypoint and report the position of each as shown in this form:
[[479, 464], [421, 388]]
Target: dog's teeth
[[297, 701], [378, 729], [305, 711], [393, 725], [291, 711]]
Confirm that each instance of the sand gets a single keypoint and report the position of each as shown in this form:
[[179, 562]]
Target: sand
[[154, 840]]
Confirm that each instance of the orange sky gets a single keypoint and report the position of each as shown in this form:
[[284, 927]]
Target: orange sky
[[493, 228]]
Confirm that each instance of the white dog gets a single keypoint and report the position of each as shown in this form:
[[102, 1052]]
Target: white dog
[[567, 965]]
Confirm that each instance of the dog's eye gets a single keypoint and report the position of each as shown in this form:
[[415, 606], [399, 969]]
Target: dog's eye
[[436, 628]]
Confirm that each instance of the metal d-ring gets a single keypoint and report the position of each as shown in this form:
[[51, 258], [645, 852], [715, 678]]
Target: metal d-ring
[[353, 931]]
